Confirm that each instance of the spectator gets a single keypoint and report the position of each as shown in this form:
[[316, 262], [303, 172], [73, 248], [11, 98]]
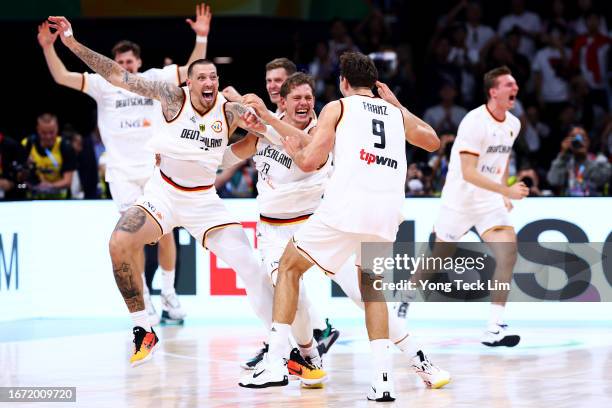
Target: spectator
[[556, 19], [418, 184], [580, 25], [403, 81], [575, 172], [372, 32], [238, 181], [551, 71], [527, 23], [439, 71], [321, 68], [53, 158], [477, 34], [13, 170], [446, 116], [531, 179], [535, 132], [590, 55], [76, 187], [458, 56], [439, 162], [340, 41]]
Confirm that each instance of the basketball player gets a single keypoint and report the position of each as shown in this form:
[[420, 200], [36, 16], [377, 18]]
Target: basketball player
[[287, 197], [277, 71], [191, 142], [362, 203], [476, 193], [126, 124]]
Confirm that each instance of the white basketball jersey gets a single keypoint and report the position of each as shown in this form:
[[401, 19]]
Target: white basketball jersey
[[283, 189], [491, 140], [199, 138], [365, 193]]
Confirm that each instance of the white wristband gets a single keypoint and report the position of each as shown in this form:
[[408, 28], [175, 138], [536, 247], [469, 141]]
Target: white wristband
[[68, 33], [201, 39], [272, 135]]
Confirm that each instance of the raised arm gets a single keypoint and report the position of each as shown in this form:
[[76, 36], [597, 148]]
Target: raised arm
[[171, 96], [418, 132], [201, 26], [60, 74]]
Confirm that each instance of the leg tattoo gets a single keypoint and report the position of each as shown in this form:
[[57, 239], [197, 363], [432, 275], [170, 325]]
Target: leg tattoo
[[131, 292], [132, 220]]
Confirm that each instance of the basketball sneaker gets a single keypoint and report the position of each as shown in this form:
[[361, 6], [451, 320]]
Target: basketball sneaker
[[325, 338], [250, 365], [145, 344], [382, 389], [305, 369], [433, 376], [498, 335], [266, 374], [172, 313], [151, 312]]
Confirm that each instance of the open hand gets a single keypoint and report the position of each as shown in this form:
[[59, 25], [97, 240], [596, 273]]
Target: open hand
[[201, 25], [63, 28], [45, 37], [385, 93]]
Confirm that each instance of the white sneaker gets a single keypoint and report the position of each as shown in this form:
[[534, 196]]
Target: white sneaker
[[266, 374], [498, 335], [382, 389], [151, 312], [432, 375], [171, 309]]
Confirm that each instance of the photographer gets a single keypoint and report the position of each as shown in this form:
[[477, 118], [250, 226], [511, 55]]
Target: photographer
[[576, 172], [12, 173], [439, 162], [53, 157]]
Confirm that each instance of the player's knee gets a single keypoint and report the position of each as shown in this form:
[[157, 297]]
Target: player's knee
[[289, 268], [120, 245], [507, 258]]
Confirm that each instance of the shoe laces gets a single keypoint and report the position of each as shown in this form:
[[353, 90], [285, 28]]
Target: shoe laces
[[306, 362], [139, 335]]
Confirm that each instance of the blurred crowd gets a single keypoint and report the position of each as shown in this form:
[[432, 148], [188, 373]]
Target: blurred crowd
[[560, 58]]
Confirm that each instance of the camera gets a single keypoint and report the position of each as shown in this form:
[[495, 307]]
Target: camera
[[577, 141]]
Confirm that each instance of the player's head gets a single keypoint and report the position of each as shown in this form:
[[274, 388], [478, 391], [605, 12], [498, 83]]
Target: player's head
[[501, 87], [277, 72], [47, 129], [297, 98], [127, 54], [356, 71], [203, 81]]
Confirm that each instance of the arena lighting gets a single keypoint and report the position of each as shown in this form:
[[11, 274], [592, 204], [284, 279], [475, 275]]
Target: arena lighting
[[223, 60]]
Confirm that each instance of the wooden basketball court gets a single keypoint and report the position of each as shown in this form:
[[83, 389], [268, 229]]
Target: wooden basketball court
[[568, 365]]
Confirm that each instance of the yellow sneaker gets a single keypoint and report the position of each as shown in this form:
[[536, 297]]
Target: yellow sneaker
[[145, 344], [309, 374]]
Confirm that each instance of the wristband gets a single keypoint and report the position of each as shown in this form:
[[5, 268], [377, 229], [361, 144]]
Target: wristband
[[201, 39], [68, 33]]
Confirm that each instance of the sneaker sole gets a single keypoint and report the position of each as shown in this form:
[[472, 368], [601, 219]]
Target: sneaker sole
[[266, 385], [147, 358], [385, 398], [313, 381], [440, 384], [507, 341], [244, 366]]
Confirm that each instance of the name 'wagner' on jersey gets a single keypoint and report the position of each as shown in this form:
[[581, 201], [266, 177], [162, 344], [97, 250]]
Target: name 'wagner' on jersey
[[365, 193], [192, 136]]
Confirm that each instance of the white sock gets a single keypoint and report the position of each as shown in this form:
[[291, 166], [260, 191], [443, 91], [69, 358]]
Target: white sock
[[279, 342], [167, 282], [309, 351], [381, 353], [408, 347], [141, 319], [496, 314]]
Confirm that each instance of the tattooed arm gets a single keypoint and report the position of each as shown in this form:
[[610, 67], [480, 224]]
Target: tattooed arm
[[171, 96]]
